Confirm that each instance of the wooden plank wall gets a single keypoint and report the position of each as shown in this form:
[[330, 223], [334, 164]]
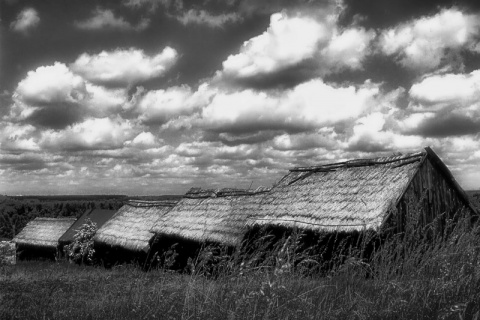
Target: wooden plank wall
[[427, 197]]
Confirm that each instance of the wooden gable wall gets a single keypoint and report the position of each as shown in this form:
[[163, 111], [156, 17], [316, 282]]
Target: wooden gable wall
[[429, 200]]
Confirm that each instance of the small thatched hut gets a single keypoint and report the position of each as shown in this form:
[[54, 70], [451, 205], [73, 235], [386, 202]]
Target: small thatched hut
[[98, 216], [39, 238], [126, 236], [380, 196], [204, 217]]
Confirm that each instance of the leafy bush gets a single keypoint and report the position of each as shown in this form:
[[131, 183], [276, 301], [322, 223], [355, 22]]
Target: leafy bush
[[81, 249]]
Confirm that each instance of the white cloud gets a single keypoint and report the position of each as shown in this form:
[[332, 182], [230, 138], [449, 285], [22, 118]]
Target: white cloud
[[124, 66], [287, 41], [448, 88], [323, 138], [153, 4], [54, 97], [17, 137], [106, 19], [102, 101], [51, 84], [348, 48], [309, 105], [93, 133], [144, 140], [160, 106], [194, 16], [371, 134], [27, 19], [447, 105], [294, 39], [423, 43]]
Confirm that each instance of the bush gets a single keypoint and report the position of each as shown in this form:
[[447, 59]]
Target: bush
[[81, 249]]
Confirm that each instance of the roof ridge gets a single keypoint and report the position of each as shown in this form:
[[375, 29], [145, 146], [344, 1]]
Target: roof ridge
[[362, 162], [54, 219], [151, 203], [199, 193]]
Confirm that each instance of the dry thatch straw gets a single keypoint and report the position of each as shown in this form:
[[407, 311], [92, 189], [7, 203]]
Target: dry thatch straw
[[99, 216], [210, 215], [357, 194], [43, 232], [130, 227]]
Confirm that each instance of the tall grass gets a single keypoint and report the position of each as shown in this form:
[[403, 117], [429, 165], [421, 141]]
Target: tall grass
[[411, 277]]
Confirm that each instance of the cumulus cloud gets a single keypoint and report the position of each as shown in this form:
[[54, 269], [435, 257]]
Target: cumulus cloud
[[443, 90], [101, 101], [200, 17], [444, 105], [144, 140], [124, 67], [371, 134], [161, 106], [54, 97], [91, 134], [348, 48], [152, 5], [106, 19], [287, 41], [15, 137], [424, 43], [26, 20], [50, 96], [51, 84], [324, 138], [314, 45], [307, 106]]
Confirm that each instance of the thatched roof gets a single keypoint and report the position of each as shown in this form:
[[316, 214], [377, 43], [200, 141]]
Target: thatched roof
[[210, 215], [43, 232], [344, 196], [99, 216], [130, 227]]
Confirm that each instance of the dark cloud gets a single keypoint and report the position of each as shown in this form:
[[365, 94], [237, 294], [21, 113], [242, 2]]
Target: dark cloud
[[384, 14], [447, 125], [266, 7], [282, 79], [238, 138], [57, 115], [370, 146], [22, 162]]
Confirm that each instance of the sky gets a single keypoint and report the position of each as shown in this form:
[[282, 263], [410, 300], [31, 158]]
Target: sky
[[149, 97]]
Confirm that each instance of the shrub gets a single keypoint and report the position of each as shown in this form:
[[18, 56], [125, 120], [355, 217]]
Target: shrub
[[81, 249]]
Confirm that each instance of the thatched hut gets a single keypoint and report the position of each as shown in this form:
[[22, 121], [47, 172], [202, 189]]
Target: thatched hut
[[384, 195], [40, 237], [364, 194], [126, 236], [98, 216], [205, 217]]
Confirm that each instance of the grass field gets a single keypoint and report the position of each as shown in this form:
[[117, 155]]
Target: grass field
[[424, 282]]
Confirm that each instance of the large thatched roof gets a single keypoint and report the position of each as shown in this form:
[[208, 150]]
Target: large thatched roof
[[43, 232], [99, 216], [210, 215], [351, 195], [130, 227]]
